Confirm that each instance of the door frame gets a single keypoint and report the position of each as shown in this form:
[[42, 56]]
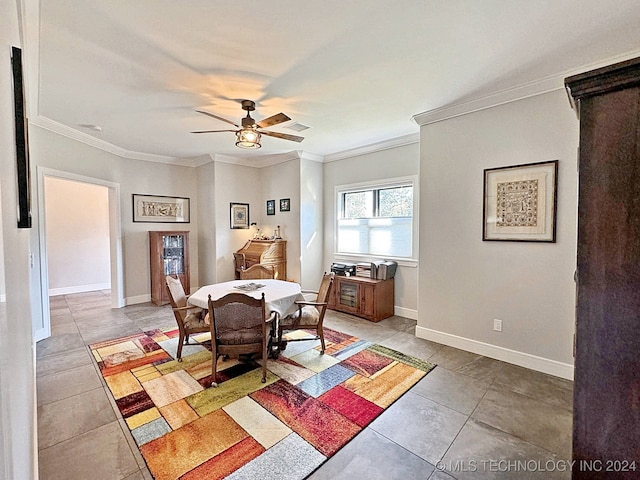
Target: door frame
[[115, 242]]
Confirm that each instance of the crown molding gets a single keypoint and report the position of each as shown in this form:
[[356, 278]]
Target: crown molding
[[258, 161], [65, 131], [314, 157], [531, 89], [374, 147]]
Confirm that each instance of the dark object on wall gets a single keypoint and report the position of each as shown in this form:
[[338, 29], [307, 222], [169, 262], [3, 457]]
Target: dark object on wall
[[285, 204], [271, 207], [606, 418], [520, 202], [239, 215], [22, 143]]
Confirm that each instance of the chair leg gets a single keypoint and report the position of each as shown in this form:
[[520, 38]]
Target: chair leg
[[320, 333], [214, 365], [180, 342], [264, 360]]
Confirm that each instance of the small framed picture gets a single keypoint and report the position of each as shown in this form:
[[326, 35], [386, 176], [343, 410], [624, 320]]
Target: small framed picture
[[271, 207], [285, 204], [239, 215], [520, 202]]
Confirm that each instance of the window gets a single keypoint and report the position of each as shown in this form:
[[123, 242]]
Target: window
[[376, 219]]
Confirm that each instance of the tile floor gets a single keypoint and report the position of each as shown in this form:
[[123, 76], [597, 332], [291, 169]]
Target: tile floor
[[471, 417]]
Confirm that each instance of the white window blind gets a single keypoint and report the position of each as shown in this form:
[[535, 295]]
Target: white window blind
[[376, 220]]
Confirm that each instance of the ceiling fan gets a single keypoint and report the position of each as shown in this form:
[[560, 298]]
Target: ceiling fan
[[248, 135]]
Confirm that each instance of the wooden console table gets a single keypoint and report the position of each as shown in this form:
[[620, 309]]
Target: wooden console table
[[365, 297]]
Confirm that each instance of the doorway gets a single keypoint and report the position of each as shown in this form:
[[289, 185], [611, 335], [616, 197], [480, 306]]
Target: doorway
[[114, 248]]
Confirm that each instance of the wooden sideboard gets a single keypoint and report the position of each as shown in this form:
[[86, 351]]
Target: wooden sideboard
[[264, 252], [365, 297]]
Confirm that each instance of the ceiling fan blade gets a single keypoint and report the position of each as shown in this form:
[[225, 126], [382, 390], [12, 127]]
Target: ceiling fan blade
[[285, 136], [273, 120], [217, 117], [214, 131]]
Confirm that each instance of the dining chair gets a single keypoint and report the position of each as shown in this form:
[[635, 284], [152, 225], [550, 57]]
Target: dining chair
[[239, 262], [239, 326], [190, 319], [257, 272], [310, 314]]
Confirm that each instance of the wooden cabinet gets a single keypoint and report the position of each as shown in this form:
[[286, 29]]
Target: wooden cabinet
[[606, 408], [264, 252], [364, 297], [169, 255]]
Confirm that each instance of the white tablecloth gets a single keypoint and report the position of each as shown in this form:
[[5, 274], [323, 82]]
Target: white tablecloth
[[279, 296]]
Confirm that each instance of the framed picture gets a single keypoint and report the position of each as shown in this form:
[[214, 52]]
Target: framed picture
[[285, 204], [271, 207], [520, 202], [160, 209], [239, 217]]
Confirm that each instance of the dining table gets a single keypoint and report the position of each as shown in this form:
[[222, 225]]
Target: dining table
[[280, 297]]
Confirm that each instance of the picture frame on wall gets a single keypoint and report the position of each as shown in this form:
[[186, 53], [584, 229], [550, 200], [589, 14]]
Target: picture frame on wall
[[161, 209], [520, 203], [239, 215], [271, 207], [285, 204]]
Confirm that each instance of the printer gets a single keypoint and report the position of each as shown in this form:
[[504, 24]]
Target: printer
[[344, 269], [386, 270]]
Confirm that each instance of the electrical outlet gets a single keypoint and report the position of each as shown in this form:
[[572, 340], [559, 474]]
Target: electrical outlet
[[497, 325]]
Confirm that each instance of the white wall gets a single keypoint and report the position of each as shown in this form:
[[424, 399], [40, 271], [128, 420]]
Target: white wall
[[207, 226], [55, 151], [391, 163], [18, 444], [311, 224], [253, 185], [77, 228], [238, 184], [283, 181], [464, 282]]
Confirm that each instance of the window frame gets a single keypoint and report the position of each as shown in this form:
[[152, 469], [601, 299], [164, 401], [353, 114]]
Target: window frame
[[377, 185]]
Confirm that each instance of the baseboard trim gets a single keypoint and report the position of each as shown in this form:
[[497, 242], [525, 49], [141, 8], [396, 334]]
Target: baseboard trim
[[405, 312], [533, 362], [137, 299], [79, 289]]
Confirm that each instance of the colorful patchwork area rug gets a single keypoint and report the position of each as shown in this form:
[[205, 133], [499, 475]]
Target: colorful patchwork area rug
[[310, 406]]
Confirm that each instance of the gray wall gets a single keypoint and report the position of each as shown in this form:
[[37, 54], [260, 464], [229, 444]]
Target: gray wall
[[58, 152], [391, 163], [464, 282]]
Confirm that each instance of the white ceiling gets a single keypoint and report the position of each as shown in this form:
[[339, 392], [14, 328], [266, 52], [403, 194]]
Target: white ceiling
[[355, 71]]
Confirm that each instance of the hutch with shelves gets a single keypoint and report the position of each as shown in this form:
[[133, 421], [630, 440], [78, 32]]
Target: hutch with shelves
[[169, 255]]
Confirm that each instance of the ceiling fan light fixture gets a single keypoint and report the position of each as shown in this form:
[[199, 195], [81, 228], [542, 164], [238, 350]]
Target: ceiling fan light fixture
[[248, 138]]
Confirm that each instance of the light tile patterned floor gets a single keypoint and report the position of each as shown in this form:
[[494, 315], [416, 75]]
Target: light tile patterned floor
[[469, 411]]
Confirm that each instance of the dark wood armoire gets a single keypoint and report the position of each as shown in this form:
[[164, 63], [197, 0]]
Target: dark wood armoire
[[606, 430]]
